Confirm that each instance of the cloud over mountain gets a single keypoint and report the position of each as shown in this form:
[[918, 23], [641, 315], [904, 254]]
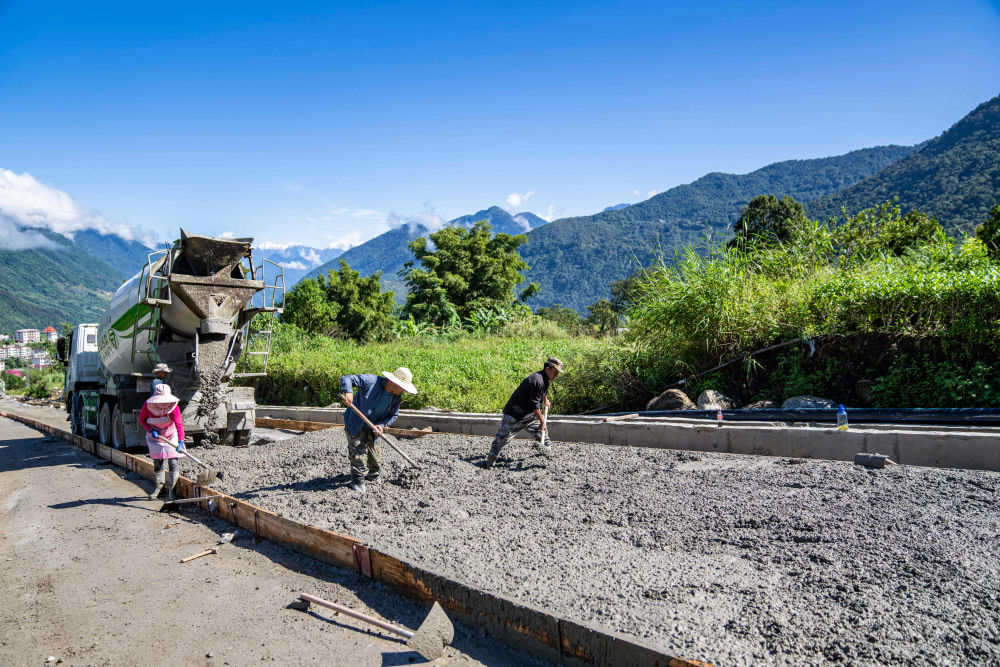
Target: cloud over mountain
[[29, 203]]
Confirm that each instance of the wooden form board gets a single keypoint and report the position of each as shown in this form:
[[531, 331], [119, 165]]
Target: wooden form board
[[297, 425], [521, 625]]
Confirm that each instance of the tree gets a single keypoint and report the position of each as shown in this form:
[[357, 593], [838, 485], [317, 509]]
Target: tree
[[881, 230], [342, 303], [989, 233], [767, 220], [603, 317], [567, 318], [461, 271]]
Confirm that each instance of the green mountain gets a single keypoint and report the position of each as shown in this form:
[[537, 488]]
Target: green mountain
[[576, 259], [53, 283], [954, 177], [127, 257]]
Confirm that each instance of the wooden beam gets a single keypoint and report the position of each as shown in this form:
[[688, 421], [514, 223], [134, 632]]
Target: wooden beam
[[297, 425]]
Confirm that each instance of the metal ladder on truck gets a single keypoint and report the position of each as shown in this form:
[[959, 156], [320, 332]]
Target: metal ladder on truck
[[154, 294], [260, 319]]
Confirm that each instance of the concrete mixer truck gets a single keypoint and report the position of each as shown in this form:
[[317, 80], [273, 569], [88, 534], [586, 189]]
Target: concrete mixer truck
[[203, 308]]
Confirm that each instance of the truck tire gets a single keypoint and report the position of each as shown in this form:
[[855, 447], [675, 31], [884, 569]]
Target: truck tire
[[104, 424], [118, 429]]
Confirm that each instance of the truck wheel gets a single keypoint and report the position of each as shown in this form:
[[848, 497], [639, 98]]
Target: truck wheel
[[104, 424], [76, 416], [118, 429]]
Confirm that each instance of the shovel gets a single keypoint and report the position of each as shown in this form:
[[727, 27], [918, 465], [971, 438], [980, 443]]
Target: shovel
[[429, 640], [384, 435], [204, 478]]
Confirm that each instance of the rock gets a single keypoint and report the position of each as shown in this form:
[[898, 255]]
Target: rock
[[799, 402], [762, 405], [671, 399], [713, 400]]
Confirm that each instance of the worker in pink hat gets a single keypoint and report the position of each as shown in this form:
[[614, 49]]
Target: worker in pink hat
[[161, 417]]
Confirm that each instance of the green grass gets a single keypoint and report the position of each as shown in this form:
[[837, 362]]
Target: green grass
[[474, 374]]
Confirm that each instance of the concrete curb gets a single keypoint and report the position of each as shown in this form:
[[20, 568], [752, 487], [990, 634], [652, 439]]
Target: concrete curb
[[909, 445]]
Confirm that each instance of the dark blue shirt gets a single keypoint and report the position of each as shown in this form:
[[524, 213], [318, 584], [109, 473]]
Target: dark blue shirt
[[371, 397]]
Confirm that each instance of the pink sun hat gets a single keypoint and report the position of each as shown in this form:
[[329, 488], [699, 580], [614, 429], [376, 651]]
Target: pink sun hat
[[161, 395]]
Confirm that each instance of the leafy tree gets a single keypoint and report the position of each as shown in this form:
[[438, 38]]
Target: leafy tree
[[567, 318], [342, 303], [625, 292], [461, 271], [882, 231], [767, 220], [989, 233], [603, 317]]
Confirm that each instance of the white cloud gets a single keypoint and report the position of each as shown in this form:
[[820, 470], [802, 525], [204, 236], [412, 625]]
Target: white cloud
[[310, 256], [226, 235], [27, 202], [428, 219], [294, 265], [552, 213], [293, 187], [515, 199], [346, 242], [267, 245], [652, 193], [636, 193], [523, 221], [12, 238]]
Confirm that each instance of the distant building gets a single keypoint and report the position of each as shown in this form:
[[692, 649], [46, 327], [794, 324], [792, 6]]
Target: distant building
[[4, 337], [28, 335], [50, 334], [15, 352], [39, 361]]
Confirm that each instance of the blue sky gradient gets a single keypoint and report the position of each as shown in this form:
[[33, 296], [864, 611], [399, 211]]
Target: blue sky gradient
[[312, 122]]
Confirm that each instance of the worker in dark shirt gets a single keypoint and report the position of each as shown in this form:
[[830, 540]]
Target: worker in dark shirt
[[378, 398], [525, 407]]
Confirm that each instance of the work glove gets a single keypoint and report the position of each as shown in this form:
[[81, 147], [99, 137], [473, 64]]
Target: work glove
[[155, 433], [180, 446]]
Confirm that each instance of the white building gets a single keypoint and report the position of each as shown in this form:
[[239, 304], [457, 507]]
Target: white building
[[15, 352], [38, 361], [50, 334], [28, 335]]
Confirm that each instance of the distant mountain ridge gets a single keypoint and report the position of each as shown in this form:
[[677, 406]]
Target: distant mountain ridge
[[389, 251], [954, 177], [574, 260]]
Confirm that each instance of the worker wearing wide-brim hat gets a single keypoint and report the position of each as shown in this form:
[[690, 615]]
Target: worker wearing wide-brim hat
[[524, 408], [378, 397], [161, 417], [160, 374]]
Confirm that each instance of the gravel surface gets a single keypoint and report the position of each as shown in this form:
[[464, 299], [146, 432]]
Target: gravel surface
[[736, 560]]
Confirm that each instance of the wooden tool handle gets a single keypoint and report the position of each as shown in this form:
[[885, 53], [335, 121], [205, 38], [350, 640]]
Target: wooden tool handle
[[403, 632], [388, 440], [199, 555], [184, 453], [545, 416]]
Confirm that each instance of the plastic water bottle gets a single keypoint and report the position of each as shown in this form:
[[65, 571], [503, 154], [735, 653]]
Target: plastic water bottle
[[718, 417], [842, 419]]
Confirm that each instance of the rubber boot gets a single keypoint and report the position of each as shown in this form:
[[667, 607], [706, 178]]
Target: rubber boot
[[160, 477], [358, 483], [374, 477], [491, 459], [171, 481]]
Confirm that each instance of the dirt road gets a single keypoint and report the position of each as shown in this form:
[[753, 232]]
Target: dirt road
[[90, 574]]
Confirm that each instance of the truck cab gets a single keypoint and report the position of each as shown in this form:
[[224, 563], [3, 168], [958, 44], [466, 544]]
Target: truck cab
[[83, 374]]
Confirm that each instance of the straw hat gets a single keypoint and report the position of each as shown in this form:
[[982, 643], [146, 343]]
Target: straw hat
[[403, 377], [162, 395], [161, 368]]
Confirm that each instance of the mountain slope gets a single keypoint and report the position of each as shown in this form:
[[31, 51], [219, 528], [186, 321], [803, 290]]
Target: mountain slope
[[389, 251], [127, 257], [575, 259], [48, 286], [954, 177], [296, 260]]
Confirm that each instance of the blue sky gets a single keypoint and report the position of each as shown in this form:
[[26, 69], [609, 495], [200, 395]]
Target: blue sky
[[313, 122]]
